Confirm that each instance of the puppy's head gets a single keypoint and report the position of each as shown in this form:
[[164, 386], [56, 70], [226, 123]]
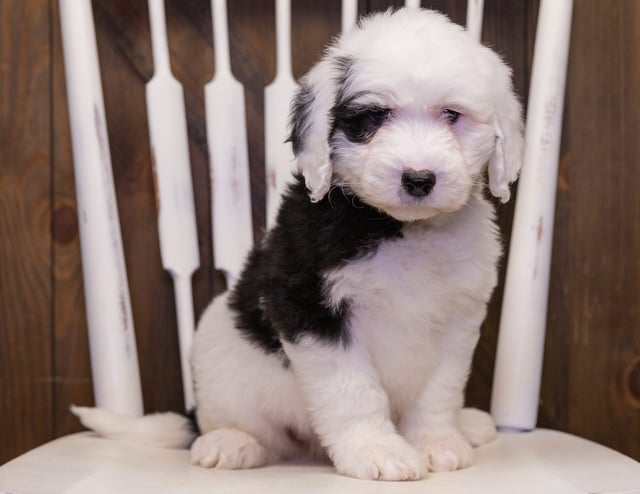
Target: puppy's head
[[406, 111]]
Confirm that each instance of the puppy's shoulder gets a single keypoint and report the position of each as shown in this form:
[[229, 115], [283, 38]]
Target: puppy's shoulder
[[328, 232], [282, 291]]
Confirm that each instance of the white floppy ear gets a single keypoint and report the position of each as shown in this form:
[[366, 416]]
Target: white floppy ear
[[506, 160], [310, 123]]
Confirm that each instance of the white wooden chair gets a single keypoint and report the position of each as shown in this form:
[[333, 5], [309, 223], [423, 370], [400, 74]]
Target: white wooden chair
[[523, 459]]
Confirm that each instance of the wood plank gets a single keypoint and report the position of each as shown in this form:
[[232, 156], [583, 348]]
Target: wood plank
[[252, 47], [71, 367], [122, 31], [314, 24], [553, 409], [455, 9], [25, 215], [189, 30], [600, 268]]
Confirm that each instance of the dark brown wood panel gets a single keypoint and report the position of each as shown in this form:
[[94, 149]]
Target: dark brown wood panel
[[25, 214], [591, 381], [314, 25]]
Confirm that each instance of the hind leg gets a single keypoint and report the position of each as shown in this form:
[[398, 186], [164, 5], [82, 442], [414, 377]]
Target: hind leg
[[249, 408], [228, 449]]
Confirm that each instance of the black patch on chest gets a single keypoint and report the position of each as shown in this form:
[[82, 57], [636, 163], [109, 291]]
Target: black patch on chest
[[281, 292]]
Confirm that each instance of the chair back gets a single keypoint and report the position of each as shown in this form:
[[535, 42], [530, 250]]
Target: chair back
[[115, 372]]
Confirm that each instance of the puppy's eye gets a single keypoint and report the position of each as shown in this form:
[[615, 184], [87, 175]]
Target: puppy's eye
[[380, 114], [359, 125], [451, 115]]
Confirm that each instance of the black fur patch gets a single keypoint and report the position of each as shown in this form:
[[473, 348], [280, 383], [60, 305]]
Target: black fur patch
[[301, 108], [302, 104], [358, 123], [281, 293]]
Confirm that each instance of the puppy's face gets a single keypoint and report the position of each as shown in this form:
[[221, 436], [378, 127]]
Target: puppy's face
[[411, 143], [406, 111]]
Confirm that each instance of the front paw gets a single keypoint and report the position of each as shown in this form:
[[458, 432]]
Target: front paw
[[384, 457], [445, 453]]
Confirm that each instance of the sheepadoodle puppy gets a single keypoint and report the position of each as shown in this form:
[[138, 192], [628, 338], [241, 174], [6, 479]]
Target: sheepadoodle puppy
[[351, 330]]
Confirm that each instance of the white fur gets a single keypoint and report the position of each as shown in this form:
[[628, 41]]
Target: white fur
[[387, 405], [419, 63], [417, 306], [164, 430], [237, 386]]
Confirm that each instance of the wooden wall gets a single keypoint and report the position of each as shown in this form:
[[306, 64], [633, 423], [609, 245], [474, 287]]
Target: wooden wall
[[591, 383]]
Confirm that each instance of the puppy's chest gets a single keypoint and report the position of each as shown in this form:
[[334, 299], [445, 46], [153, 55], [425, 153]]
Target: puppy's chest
[[421, 275], [411, 295]]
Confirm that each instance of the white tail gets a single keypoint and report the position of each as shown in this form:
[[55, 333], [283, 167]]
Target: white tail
[[164, 430]]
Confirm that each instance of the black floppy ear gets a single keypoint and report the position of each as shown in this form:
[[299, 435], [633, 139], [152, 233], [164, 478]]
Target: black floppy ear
[[310, 123], [300, 117]]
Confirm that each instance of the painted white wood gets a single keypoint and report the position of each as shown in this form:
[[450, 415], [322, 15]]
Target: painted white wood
[[412, 4], [349, 15], [516, 385], [228, 155], [539, 462], [475, 9], [277, 101], [173, 186], [114, 359]]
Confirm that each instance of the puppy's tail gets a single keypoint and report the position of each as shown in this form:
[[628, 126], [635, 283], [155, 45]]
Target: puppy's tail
[[164, 430]]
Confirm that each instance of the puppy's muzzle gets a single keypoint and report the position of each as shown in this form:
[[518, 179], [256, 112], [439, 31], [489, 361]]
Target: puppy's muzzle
[[418, 183]]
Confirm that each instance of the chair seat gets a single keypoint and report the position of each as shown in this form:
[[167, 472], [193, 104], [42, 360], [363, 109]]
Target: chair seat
[[542, 461]]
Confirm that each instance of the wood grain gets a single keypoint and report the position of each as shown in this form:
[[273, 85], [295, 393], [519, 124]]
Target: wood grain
[[25, 214], [71, 367], [591, 381], [593, 343], [150, 287]]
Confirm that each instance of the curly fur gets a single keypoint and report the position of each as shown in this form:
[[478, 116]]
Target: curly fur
[[350, 332]]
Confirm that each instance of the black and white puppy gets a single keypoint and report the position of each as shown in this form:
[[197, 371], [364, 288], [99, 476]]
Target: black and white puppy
[[351, 330]]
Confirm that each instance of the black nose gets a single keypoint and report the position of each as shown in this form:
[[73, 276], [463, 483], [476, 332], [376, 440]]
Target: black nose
[[418, 183]]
